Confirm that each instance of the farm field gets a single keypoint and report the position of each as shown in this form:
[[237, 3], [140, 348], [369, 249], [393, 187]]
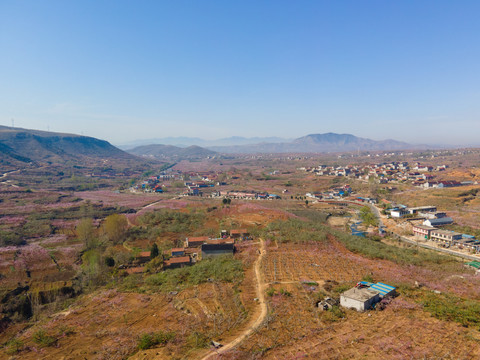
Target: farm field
[[74, 287], [295, 328]]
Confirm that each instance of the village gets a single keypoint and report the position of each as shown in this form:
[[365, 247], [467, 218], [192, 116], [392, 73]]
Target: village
[[392, 172]]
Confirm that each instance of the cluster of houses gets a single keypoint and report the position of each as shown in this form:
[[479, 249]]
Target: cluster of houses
[[446, 238], [429, 228], [193, 187], [245, 194], [334, 193], [396, 171], [196, 249], [155, 183], [445, 184]]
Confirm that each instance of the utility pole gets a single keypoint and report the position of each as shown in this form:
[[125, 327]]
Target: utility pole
[[13, 123]]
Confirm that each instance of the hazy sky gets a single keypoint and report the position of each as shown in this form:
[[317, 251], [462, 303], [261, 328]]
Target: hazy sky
[[126, 70]]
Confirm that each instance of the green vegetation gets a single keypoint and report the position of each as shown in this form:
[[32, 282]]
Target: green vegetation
[[11, 237], [154, 224], [336, 313], [445, 306], [367, 216], [14, 346], [86, 233], [151, 340], [221, 268], [43, 339], [154, 251], [312, 215], [342, 288], [297, 231], [115, 228], [380, 250], [471, 192]]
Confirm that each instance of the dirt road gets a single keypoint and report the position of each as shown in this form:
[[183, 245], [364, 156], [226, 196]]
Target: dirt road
[[263, 306]]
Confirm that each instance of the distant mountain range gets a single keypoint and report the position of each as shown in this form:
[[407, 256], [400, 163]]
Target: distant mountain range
[[314, 143], [320, 143], [19, 146], [187, 141], [159, 151]]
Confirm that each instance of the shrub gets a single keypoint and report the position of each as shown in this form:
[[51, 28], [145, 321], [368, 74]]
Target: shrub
[[148, 341], [334, 314], [270, 291], [41, 338], [13, 346]]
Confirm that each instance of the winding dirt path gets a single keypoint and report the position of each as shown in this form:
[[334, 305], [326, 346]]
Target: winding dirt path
[[263, 306]]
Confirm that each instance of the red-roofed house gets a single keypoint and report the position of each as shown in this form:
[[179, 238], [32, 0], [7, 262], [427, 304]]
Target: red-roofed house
[[195, 241], [177, 262]]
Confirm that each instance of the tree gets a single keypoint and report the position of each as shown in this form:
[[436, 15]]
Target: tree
[[109, 261], [86, 233], [154, 251], [115, 228]]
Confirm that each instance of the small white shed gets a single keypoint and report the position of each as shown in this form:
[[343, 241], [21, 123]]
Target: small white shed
[[360, 299]]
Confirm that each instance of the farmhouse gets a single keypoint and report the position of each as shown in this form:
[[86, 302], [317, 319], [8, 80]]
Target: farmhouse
[[143, 257], [195, 241], [217, 249], [178, 252], [360, 299], [238, 233], [177, 262]]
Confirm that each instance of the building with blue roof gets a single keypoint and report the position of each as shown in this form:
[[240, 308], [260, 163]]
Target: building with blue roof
[[383, 289]]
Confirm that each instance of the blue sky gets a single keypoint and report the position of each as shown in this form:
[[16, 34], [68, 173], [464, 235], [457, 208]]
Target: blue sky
[[126, 70]]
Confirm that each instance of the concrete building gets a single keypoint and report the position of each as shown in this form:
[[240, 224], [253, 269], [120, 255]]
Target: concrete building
[[445, 236], [422, 231], [360, 299], [398, 213]]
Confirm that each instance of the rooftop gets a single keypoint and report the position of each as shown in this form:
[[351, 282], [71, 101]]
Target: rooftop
[[363, 294], [446, 232], [178, 260]]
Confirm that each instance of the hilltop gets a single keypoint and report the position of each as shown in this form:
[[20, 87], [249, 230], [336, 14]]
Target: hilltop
[[19, 146]]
